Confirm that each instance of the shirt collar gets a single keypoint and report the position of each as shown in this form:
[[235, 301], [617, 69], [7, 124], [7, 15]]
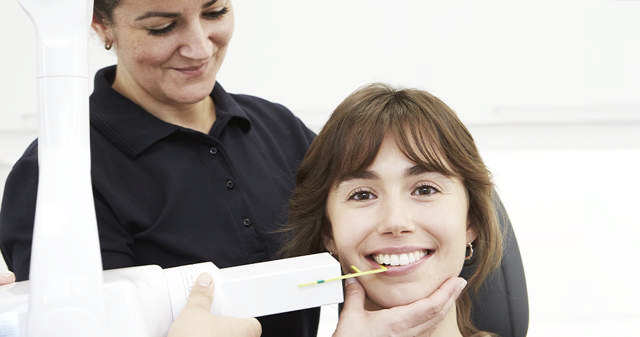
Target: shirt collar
[[133, 129]]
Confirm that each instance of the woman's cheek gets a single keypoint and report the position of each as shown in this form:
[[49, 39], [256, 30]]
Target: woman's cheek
[[154, 53]]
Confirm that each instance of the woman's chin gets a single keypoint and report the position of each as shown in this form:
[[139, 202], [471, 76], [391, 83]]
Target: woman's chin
[[191, 94], [394, 297], [188, 98]]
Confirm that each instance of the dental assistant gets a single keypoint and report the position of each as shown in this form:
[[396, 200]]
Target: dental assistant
[[182, 171]]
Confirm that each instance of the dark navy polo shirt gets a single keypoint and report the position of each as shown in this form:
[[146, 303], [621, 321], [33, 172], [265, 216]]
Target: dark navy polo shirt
[[170, 196]]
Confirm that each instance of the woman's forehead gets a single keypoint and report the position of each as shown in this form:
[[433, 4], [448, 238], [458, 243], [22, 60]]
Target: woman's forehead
[[169, 6], [361, 160]]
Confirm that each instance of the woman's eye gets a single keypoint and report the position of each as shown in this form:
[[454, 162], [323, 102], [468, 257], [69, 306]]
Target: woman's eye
[[362, 195], [162, 30], [425, 190], [216, 13]]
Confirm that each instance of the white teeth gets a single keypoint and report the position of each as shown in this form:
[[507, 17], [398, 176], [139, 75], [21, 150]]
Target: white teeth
[[404, 259], [399, 259], [395, 260]]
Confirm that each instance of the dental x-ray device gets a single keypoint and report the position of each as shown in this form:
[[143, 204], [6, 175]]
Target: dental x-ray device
[[68, 294], [143, 301]]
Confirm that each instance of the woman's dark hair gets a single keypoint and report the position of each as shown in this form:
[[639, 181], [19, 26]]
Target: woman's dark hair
[[103, 10], [430, 134]]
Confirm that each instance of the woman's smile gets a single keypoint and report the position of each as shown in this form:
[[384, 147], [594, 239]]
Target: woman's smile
[[169, 52], [392, 260], [400, 261], [192, 71], [402, 216]]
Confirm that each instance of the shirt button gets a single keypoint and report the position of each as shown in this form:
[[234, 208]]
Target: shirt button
[[246, 222], [213, 150], [229, 184]]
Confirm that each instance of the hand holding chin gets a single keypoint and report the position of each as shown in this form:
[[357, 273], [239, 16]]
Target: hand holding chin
[[419, 318]]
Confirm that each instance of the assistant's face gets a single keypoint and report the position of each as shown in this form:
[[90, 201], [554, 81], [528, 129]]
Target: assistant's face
[[170, 51], [399, 215]]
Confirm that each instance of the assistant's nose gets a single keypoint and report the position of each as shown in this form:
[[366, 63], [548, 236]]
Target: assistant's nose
[[395, 218], [196, 42]]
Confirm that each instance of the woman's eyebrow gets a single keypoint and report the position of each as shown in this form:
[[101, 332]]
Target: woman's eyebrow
[[416, 170], [359, 175], [158, 14], [209, 3], [169, 14]]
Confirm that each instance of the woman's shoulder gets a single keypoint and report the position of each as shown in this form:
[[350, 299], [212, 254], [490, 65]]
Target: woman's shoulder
[[254, 104], [265, 111], [30, 155], [20, 184]]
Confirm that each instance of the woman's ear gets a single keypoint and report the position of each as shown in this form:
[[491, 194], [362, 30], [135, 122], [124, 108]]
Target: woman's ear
[[329, 243], [471, 233], [103, 31]]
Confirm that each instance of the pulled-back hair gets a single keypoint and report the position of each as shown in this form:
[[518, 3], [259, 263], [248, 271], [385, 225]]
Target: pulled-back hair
[[430, 134], [103, 10]]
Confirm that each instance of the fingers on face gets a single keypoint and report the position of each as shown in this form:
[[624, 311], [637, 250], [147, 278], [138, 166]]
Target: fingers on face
[[426, 314], [354, 295]]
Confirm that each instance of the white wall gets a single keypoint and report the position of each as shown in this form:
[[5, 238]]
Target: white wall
[[570, 191], [549, 88]]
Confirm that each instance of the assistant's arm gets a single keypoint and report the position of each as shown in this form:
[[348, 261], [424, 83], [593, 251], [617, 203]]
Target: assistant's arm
[[17, 213]]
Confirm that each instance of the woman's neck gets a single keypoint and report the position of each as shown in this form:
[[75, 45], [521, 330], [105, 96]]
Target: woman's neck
[[449, 326], [198, 116]]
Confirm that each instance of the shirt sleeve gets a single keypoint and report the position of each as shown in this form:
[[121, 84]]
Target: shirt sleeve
[[18, 212], [309, 135], [115, 241]]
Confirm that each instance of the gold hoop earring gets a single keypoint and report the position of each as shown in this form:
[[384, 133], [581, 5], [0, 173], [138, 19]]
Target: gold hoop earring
[[470, 246], [108, 44]]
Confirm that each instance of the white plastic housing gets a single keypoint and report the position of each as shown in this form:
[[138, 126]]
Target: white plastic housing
[[262, 288], [137, 304], [66, 291], [143, 301]]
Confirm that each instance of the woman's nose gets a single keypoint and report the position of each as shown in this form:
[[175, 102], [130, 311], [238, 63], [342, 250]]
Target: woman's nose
[[196, 44], [395, 219]]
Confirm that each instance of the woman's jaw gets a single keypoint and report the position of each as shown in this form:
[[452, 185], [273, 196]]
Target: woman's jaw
[[412, 274]]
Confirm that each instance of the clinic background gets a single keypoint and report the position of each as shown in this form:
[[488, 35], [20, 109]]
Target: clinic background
[[550, 89]]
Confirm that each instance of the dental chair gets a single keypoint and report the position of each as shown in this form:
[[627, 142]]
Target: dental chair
[[501, 304]]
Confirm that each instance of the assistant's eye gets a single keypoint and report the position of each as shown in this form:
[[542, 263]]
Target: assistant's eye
[[362, 195], [215, 14], [162, 30], [425, 190]]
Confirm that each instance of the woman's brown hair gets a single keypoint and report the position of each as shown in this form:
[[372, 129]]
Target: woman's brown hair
[[430, 134], [103, 10]]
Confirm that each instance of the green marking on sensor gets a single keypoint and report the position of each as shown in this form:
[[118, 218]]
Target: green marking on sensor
[[359, 273]]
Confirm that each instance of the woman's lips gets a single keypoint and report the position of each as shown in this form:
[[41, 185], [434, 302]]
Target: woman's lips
[[399, 259], [401, 262], [193, 70]]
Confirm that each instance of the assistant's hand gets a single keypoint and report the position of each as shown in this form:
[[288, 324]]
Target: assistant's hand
[[418, 318], [6, 278], [195, 320]]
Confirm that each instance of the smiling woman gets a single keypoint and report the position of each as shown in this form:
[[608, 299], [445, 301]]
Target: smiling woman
[[182, 171], [395, 178], [413, 221], [169, 54]]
